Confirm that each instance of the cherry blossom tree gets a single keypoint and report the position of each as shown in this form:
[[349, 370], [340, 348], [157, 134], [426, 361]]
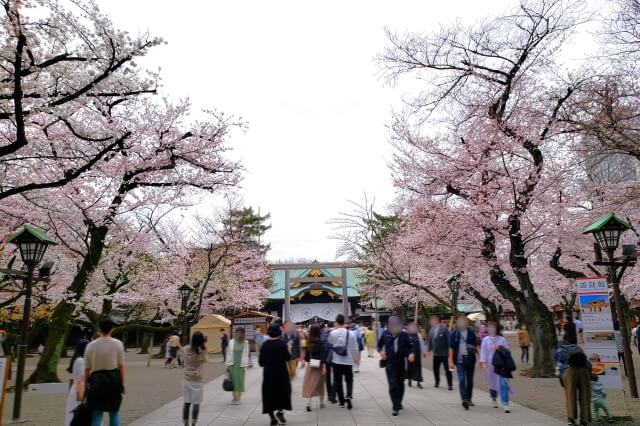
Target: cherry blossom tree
[[164, 162], [64, 68], [495, 159]]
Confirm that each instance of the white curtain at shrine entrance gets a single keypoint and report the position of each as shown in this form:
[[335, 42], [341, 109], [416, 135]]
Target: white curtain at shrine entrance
[[305, 311]]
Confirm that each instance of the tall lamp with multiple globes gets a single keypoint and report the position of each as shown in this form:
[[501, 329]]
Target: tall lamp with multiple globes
[[607, 230], [185, 293], [32, 243]]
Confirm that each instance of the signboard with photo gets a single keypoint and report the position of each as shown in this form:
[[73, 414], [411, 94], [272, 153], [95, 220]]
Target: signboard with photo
[[597, 323], [605, 365]]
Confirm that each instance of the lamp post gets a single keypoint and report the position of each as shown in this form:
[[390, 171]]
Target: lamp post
[[376, 322], [453, 283], [606, 230], [185, 292], [32, 243]]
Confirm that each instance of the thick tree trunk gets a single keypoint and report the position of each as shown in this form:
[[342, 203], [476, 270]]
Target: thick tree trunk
[[47, 368], [542, 330], [107, 306], [147, 341], [528, 306]]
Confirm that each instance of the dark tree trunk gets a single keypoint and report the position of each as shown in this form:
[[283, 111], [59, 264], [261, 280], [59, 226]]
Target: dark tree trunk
[[528, 306], [147, 341], [47, 368], [107, 306]]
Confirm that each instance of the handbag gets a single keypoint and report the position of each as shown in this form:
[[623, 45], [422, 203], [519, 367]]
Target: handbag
[[227, 384], [314, 363], [81, 415]]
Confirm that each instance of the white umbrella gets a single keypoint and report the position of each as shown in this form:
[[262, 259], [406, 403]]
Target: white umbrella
[[477, 316]]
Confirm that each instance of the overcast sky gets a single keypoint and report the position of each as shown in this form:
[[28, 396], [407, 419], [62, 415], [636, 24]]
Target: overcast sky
[[302, 74]]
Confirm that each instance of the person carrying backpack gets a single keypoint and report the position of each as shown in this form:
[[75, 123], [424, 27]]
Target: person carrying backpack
[[360, 341], [344, 354], [576, 379], [496, 382], [503, 366]]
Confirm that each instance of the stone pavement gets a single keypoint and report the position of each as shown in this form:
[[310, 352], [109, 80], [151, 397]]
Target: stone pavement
[[428, 406]]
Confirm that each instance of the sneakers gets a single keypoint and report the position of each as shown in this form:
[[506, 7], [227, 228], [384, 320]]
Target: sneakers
[[280, 417], [349, 404], [394, 413], [506, 409], [465, 404], [308, 408], [495, 402], [420, 385], [450, 387], [322, 405]]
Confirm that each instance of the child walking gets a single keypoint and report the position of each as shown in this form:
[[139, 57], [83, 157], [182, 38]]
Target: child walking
[[598, 395]]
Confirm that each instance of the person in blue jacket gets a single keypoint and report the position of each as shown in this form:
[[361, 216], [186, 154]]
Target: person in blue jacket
[[395, 350], [463, 348]]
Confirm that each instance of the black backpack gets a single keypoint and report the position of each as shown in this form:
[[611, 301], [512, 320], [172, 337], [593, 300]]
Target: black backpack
[[577, 359]]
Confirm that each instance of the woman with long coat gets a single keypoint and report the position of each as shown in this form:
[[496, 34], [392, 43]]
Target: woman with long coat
[[276, 387], [414, 369], [315, 358], [497, 384]]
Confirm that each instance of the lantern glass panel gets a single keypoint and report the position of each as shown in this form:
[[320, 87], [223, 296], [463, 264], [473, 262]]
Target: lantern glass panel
[[32, 252], [611, 238]]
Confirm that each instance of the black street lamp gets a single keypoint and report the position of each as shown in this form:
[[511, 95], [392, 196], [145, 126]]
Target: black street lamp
[[607, 230], [32, 243], [185, 293], [454, 284]]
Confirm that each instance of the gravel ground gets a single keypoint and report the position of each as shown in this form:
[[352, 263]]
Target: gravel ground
[[148, 388]]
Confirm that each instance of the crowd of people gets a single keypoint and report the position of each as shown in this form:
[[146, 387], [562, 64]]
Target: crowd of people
[[330, 355]]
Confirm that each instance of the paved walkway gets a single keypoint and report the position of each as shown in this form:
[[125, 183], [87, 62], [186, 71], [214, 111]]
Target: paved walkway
[[372, 406]]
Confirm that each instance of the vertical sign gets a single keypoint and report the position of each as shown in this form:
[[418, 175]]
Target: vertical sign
[[597, 323]]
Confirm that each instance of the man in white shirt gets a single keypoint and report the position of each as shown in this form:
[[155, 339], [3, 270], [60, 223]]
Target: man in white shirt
[[104, 374], [344, 353]]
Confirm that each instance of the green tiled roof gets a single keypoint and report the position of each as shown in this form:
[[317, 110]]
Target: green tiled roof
[[605, 220], [354, 279]]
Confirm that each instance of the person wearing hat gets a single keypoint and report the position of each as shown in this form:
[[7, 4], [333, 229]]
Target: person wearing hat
[[276, 386]]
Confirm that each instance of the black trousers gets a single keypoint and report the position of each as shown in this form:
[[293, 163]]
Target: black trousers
[[443, 360], [341, 371], [395, 378], [329, 383]]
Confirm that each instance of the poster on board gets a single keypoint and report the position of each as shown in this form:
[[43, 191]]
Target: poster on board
[[599, 337], [605, 365]]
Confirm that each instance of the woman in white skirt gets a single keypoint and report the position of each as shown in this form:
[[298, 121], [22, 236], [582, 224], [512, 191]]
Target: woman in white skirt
[[195, 356], [76, 391]]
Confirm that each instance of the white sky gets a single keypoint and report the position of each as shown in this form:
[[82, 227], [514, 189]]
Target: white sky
[[302, 74]]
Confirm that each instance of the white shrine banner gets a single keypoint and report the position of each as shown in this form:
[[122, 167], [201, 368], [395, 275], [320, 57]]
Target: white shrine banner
[[305, 311]]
